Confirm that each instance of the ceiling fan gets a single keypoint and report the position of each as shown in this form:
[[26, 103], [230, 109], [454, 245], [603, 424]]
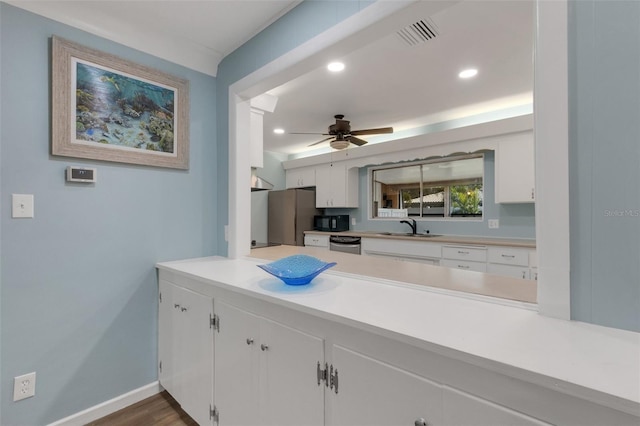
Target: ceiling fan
[[341, 135]]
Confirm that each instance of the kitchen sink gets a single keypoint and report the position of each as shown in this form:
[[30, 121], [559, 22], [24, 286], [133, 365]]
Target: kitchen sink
[[408, 234]]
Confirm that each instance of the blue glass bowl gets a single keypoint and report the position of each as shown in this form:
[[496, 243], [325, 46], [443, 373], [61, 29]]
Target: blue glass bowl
[[298, 269]]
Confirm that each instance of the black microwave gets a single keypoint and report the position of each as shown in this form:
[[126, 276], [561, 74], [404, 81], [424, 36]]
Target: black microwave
[[331, 223]]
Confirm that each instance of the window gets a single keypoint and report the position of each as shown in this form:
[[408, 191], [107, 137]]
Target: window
[[445, 188]]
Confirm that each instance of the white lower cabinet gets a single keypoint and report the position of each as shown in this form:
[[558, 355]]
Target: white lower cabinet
[[412, 251], [313, 240], [376, 393], [265, 371], [510, 262], [185, 349], [465, 257], [278, 366]]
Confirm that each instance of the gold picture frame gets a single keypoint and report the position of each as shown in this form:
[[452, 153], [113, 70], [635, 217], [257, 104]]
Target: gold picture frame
[[111, 109]]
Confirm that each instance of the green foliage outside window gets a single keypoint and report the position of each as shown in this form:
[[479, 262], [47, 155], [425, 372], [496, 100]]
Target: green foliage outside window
[[466, 199]]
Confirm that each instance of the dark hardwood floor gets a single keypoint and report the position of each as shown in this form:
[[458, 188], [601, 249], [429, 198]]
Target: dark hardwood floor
[[160, 410]]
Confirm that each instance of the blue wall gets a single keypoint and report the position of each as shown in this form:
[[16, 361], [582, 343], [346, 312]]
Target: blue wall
[[78, 284], [604, 91]]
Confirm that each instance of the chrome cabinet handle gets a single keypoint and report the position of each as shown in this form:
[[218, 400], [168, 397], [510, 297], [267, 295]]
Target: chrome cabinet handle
[[264, 347], [183, 309], [176, 306], [420, 422], [249, 341]]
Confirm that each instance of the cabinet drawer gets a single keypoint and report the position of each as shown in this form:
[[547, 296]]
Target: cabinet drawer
[[465, 265], [509, 256], [316, 240], [474, 254]]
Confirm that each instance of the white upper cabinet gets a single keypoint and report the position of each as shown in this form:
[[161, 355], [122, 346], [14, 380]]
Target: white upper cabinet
[[514, 169], [336, 186], [301, 178]]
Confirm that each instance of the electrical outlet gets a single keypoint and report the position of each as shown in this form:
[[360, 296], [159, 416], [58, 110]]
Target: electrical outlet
[[494, 223], [24, 386], [353, 221]]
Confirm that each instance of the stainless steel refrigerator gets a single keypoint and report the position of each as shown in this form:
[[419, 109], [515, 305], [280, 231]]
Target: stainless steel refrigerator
[[290, 213]]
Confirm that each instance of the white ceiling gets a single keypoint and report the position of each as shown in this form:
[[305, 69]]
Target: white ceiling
[[196, 34], [388, 83]]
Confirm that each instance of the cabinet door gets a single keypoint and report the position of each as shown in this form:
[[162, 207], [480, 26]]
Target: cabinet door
[[290, 394], [185, 349], [196, 354], [236, 366], [372, 392], [515, 177], [301, 178], [325, 186], [167, 339], [461, 408]]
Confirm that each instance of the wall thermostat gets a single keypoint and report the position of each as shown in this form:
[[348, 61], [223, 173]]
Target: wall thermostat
[[81, 174]]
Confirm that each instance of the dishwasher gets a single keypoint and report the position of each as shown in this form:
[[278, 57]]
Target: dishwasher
[[345, 244]]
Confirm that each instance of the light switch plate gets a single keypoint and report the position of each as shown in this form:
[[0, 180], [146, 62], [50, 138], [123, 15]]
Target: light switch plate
[[494, 223], [22, 205]]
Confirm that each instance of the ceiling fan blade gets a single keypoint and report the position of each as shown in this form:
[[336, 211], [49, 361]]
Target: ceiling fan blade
[[323, 140], [373, 131], [314, 133], [357, 141]]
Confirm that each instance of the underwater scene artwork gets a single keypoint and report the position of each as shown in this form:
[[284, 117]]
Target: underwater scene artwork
[[123, 112]]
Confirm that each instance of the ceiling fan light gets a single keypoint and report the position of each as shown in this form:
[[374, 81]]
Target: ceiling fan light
[[339, 144], [335, 66]]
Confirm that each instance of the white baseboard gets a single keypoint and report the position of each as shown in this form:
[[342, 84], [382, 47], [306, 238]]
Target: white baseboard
[[104, 409]]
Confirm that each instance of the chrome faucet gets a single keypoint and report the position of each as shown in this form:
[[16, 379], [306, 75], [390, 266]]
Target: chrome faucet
[[412, 224]]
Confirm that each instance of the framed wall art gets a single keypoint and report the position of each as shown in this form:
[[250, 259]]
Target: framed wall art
[[107, 108]]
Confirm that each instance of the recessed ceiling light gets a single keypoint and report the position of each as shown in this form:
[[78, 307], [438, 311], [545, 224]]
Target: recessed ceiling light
[[468, 73], [278, 131], [335, 66]]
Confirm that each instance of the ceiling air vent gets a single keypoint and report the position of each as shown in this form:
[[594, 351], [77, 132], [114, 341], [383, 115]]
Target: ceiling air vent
[[419, 32]]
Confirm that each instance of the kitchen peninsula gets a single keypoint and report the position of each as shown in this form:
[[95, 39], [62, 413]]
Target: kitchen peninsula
[[430, 277], [351, 349]]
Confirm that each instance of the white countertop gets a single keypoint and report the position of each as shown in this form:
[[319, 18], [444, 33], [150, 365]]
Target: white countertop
[[448, 239], [519, 291], [589, 361]]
